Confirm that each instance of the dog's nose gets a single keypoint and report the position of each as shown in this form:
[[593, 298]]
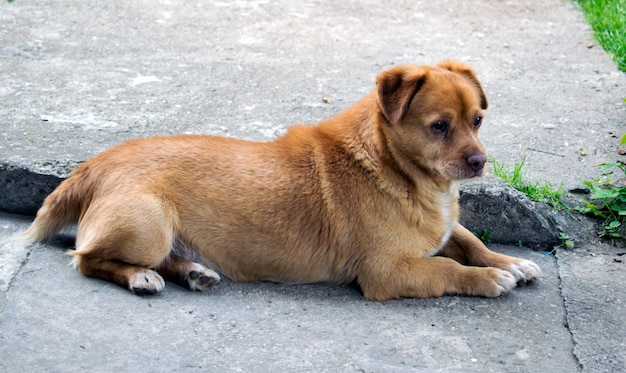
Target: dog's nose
[[476, 161]]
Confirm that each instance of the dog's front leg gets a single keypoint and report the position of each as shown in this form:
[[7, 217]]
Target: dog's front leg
[[405, 275], [467, 249]]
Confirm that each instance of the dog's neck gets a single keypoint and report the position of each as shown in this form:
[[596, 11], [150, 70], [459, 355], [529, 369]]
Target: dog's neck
[[362, 131]]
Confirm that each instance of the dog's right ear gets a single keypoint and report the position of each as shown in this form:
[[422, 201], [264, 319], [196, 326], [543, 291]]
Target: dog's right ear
[[396, 89]]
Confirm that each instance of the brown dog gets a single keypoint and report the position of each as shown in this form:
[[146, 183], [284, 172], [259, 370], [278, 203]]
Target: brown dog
[[369, 196]]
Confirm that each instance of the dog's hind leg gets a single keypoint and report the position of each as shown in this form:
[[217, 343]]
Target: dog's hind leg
[[123, 239], [189, 274], [182, 267]]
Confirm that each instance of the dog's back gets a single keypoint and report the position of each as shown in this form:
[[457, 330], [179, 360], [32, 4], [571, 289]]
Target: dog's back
[[255, 211]]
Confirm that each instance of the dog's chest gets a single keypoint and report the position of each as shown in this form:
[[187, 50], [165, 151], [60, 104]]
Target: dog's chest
[[433, 220], [448, 200]]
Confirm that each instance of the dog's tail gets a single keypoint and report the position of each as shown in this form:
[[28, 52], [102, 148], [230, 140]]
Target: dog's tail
[[59, 209]]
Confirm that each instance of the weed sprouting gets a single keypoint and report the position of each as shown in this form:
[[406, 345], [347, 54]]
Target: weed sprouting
[[607, 200], [541, 191]]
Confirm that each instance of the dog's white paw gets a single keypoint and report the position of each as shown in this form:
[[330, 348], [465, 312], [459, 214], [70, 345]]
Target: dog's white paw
[[525, 271], [494, 283], [505, 281], [201, 278], [146, 281]]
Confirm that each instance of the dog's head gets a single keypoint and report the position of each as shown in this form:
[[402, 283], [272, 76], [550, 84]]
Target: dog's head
[[432, 115]]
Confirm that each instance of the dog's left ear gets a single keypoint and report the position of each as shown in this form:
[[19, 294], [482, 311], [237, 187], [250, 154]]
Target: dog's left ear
[[396, 89], [469, 74]]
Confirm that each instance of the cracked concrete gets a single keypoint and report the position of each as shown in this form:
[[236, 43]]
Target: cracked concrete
[[590, 310], [79, 77]]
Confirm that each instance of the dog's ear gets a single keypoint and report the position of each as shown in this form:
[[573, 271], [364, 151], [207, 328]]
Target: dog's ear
[[469, 74], [396, 89]]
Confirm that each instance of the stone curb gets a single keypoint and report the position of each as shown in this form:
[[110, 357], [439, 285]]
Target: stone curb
[[25, 186], [491, 204], [486, 204]]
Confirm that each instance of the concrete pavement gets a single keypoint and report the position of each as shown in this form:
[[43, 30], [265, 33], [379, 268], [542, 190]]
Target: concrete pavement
[[79, 77]]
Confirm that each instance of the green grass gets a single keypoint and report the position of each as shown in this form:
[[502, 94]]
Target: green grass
[[566, 241], [542, 191], [608, 21]]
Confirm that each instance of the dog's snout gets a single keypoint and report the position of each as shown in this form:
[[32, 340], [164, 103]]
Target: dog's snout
[[476, 161]]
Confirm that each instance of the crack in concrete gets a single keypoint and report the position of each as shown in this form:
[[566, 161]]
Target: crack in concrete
[[566, 316], [21, 266]]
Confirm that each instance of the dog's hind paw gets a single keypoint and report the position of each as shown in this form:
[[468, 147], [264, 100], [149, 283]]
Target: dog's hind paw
[[146, 282], [199, 277], [525, 271]]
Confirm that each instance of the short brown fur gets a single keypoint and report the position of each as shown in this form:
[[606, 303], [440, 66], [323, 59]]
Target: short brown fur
[[370, 195]]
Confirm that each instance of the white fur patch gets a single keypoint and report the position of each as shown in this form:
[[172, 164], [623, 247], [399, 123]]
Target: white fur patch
[[447, 200]]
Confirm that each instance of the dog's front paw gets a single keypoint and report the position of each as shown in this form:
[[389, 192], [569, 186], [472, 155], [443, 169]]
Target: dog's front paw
[[502, 282], [490, 282], [146, 282], [525, 271]]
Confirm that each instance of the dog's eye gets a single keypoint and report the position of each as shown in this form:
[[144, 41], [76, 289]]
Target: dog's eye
[[440, 126], [478, 121]]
